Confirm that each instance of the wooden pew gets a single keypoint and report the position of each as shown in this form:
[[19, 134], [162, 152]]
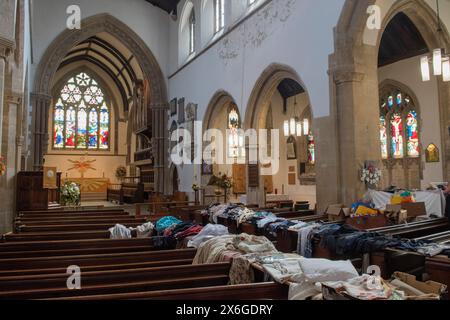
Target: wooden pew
[[89, 260], [115, 281], [68, 212], [256, 291], [74, 247], [48, 236], [19, 223], [73, 227]]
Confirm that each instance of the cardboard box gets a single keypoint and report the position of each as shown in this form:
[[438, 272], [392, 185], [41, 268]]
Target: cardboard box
[[432, 290], [337, 212], [367, 222], [414, 209]]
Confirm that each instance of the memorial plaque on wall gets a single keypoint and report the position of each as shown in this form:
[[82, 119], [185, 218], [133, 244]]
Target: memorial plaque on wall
[[239, 183], [253, 175]]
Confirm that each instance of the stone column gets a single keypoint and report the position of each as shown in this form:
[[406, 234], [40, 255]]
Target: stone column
[[15, 122], [159, 140], [6, 47], [358, 126], [41, 105]]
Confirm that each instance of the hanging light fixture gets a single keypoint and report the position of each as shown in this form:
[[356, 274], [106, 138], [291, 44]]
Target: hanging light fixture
[[439, 58], [293, 126]]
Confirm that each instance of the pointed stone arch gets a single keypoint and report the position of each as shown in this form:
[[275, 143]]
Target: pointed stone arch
[[354, 85], [54, 55]]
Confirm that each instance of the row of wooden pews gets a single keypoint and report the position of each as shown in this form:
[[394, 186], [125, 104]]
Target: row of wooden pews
[[34, 262]]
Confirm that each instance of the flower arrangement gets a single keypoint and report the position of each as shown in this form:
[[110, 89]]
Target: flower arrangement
[[70, 194], [221, 181], [121, 172], [371, 175], [195, 187], [2, 166]]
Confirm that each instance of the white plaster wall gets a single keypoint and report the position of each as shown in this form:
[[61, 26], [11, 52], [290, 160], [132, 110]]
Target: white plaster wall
[[276, 33], [280, 32], [408, 72], [147, 21]]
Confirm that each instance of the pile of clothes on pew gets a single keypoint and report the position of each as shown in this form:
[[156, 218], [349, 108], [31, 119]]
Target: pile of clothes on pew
[[168, 232], [239, 213], [340, 239], [307, 278]]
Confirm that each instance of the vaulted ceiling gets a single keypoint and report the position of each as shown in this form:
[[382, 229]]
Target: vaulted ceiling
[[110, 55], [166, 5], [401, 40]]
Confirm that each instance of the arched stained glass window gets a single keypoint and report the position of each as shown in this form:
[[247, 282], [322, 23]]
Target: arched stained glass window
[[235, 139], [81, 117], [399, 126], [311, 152]]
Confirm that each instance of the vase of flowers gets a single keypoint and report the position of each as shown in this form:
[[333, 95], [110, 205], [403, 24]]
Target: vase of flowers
[[371, 175], [2, 166], [223, 183], [121, 173], [70, 194]]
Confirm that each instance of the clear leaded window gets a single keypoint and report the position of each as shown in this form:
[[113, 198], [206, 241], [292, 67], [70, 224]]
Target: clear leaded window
[[219, 15], [81, 116], [192, 32]]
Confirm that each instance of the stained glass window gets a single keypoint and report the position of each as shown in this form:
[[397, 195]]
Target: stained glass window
[[399, 126], [383, 138], [412, 134], [235, 140], [397, 135], [81, 118], [311, 152]]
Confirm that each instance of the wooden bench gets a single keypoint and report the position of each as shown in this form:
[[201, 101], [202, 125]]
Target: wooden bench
[[115, 281], [73, 227], [89, 260], [61, 235], [75, 247], [256, 291]]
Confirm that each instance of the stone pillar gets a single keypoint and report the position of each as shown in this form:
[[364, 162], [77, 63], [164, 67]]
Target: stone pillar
[[358, 125], [159, 140], [6, 47], [41, 105], [12, 117]]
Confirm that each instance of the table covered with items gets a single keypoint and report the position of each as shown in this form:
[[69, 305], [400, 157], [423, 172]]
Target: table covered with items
[[434, 200]]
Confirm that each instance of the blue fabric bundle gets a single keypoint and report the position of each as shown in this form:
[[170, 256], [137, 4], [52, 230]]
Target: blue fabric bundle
[[165, 223]]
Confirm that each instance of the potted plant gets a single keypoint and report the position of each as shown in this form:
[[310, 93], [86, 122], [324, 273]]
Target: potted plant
[[70, 194]]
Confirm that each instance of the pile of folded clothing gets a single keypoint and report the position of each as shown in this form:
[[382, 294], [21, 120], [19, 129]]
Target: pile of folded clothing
[[344, 239], [121, 232], [215, 210], [241, 250], [171, 231]]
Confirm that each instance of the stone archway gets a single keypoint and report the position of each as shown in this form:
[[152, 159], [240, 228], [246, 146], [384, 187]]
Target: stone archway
[[54, 55], [257, 106], [354, 85]]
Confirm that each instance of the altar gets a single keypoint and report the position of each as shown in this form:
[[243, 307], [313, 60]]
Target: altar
[[269, 198], [92, 189]]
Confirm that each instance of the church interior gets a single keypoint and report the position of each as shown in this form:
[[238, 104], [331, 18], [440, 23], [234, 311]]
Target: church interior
[[225, 150]]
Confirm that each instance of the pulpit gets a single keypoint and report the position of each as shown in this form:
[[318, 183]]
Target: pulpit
[[31, 194]]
